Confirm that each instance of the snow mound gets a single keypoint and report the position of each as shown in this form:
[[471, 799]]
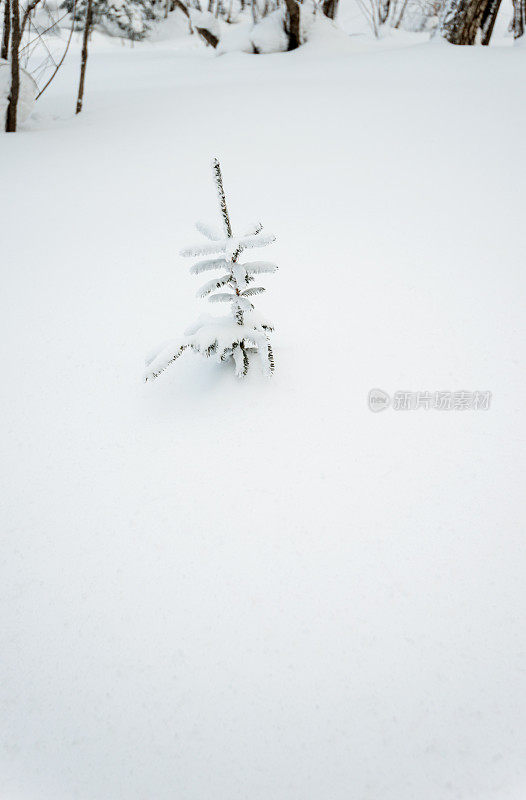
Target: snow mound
[[269, 36], [324, 36], [206, 21], [237, 39], [28, 91]]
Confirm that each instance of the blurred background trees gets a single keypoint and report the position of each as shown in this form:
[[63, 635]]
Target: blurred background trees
[[36, 34]]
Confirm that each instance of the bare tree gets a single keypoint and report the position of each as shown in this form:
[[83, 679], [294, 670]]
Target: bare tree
[[384, 7], [470, 21], [401, 14], [6, 32], [293, 24], [61, 61], [518, 22], [31, 60], [329, 8], [417, 15], [10, 122], [84, 56], [371, 11], [489, 19], [27, 15]]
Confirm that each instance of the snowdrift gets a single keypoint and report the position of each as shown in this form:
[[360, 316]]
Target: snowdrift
[[28, 91]]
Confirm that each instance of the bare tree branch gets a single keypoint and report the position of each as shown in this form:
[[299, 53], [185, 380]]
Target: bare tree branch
[[41, 92], [30, 8]]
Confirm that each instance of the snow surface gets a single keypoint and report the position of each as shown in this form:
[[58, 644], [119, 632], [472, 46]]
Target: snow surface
[[221, 590]]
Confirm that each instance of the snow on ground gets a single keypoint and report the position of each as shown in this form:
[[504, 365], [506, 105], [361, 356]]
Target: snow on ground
[[229, 590]]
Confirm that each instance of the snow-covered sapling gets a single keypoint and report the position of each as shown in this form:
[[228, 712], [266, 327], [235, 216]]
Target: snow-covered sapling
[[243, 331]]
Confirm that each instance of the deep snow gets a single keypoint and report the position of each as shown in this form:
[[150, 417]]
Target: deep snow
[[215, 589]]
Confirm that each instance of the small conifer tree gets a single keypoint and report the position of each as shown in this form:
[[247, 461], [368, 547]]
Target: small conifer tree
[[129, 19], [243, 331]]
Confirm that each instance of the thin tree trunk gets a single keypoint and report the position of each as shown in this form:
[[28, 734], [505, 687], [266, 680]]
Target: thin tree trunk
[[227, 227], [519, 18], [401, 15], [178, 4], [383, 11], [488, 21], [218, 178], [293, 24], [4, 51], [208, 36], [84, 56], [329, 8], [10, 122]]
